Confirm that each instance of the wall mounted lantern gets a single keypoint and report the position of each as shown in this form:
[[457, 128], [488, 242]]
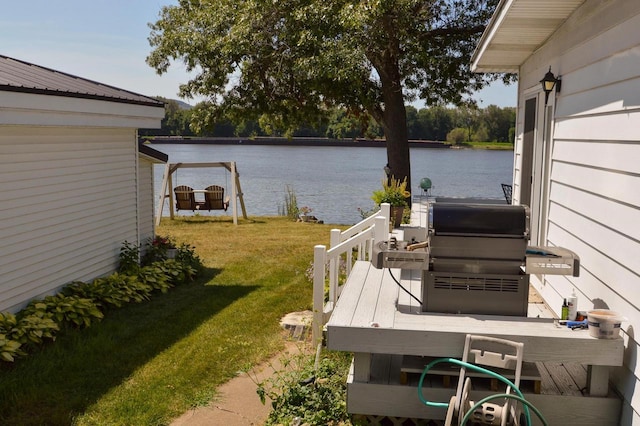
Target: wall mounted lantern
[[548, 83]]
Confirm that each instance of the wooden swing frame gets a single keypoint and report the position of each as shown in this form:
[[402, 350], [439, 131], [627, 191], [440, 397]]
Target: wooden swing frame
[[167, 185]]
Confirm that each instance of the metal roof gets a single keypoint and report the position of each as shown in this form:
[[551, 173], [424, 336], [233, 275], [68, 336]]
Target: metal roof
[[161, 157], [516, 30], [20, 76]]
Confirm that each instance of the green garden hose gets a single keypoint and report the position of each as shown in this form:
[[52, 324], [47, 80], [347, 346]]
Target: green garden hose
[[490, 373]]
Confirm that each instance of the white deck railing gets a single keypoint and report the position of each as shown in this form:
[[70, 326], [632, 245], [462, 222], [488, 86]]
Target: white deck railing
[[360, 239]]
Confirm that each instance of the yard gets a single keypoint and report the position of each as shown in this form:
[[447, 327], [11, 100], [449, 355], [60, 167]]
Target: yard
[[148, 363]]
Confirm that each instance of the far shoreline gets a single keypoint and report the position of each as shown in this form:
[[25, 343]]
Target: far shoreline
[[311, 141], [297, 141]]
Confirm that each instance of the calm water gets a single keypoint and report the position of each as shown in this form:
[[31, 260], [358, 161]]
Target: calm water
[[334, 182]]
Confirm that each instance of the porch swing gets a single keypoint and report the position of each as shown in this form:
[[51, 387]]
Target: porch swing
[[216, 197]]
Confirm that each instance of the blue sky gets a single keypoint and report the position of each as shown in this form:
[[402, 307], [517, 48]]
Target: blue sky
[[106, 41]]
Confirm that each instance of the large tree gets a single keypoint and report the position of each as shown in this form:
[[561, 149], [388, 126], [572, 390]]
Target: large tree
[[290, 61]]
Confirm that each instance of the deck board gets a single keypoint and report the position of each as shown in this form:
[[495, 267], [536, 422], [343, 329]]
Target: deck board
[[369, 301], [385, 315], [350, 298]]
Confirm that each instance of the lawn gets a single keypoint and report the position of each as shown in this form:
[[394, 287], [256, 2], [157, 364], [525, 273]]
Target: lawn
[[148, 363]]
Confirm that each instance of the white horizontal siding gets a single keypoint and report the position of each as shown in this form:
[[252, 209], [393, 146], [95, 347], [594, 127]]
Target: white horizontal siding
[[594, 195], [17, 108], [69, 201]]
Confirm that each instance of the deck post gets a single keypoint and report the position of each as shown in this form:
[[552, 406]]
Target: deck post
[[598, 380], [361, 367], [380, 229], [385, 210], [319, 260]]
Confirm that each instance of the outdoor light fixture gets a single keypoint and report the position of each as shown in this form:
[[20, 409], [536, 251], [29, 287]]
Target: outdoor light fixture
[[548, 83]]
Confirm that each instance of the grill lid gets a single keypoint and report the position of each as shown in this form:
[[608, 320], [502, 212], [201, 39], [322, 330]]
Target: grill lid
[[479, 219]]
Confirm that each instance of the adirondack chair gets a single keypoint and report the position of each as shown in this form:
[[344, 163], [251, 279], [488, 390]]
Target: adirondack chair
[[214, 198], [186, 199], [507, 189]]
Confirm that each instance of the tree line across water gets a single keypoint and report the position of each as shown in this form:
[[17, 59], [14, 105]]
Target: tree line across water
[[451, 124]]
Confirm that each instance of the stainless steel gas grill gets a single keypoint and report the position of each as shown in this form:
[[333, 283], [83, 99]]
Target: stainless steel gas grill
[[475, 259], [477, 251]]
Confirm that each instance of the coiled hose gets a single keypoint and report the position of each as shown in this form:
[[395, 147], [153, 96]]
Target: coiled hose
[[518, 396]]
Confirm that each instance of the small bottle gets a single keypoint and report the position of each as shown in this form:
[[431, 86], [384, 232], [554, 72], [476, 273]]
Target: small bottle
[[572, 301], [565, 310]]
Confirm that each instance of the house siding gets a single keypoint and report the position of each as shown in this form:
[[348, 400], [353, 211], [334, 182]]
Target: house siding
[[145, 197], [68, 202], [593, 198]]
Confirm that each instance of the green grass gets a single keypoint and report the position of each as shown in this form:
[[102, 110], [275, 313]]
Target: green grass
[[490, 145], [148, 363]]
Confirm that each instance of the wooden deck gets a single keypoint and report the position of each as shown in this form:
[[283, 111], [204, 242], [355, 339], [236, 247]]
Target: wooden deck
[[382, 325]]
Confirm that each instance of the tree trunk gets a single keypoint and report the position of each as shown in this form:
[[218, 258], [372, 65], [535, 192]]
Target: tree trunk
[[394, 124]]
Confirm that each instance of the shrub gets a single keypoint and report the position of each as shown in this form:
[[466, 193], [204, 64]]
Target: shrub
[[119, 289], [457, 136], [190, 262], [10, 347], [67, 310], [302, 394], [79, 304], [32, 329], [158, 275], [129, 258]]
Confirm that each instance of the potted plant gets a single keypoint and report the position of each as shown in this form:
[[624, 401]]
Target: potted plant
[[161, 248], [395, 193]]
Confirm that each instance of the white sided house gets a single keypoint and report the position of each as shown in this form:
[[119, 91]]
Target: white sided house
[[577, 157], [74, 184]]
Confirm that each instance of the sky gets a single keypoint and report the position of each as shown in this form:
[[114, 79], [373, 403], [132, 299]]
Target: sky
[[106, 41]]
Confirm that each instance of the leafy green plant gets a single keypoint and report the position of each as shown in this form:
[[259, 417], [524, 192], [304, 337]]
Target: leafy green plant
[[158, 275], [119, 289], [129, 258], [393, 192], [303, 394], [72, 310], [191, 263], [32, 329], [23, 332], [10, 347]]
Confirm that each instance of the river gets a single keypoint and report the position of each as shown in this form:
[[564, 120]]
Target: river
[[333, 181]]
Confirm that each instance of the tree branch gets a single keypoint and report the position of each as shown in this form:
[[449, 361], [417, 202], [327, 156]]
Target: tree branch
[[453, 31]]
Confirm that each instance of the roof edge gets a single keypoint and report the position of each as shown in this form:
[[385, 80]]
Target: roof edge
[[495, 21], [36, 91], [161, 157]]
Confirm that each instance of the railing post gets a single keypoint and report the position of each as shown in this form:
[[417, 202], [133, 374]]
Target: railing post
[[319, 260], [334, 238], [380, 229], [385, 210]]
